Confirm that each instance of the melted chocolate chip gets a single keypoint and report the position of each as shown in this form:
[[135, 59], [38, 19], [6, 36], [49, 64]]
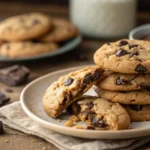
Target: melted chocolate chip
[[121, 52], [134, 53], [108, 43], [140, 69], [122, 43], [69, 110], [132, 45], [87, 79], [68, 81], [96, 75], [78, 108], [1, 128], [121, 81], [145, 87], [136, 107], [36, 21], [99, 123], [90, 105]]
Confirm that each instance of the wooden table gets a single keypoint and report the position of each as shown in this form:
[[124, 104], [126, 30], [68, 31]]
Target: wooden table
[[15, 140]]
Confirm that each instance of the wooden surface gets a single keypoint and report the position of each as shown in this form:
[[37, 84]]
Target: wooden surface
[[14, 140]]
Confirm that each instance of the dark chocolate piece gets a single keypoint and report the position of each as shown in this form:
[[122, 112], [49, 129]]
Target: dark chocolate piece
[[96, 75], [140, 69], [36, 21], [136, 107], [14, 75], [122, 43], [68, 81], [3, 99], [145, 87], [132, 45], [121, 81], [121, 52], [87, 79], [99, 123], [90, 105], [134, 53], [1, 128]]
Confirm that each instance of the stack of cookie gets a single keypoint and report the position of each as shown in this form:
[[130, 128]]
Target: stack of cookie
[[129, 80], [33, 34]]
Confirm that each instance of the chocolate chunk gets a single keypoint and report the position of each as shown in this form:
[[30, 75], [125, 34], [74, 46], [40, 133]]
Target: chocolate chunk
[[108, 43], [122, 43], [121, 52], [1, 128], [14, 75], [99, 123], [140, 69], [96, 75], [68, 81], [134, 53], [69, 110], [90, 105], [87, 79], [145, 87], [132, 45], [121, 81], [3, 99], [136, 107], [36, 21]]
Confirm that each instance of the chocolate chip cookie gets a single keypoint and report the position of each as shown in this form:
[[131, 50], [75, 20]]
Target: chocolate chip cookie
[[67, 89], [138, 112], [62, 30], [99, 113], [130, 97], [26, 49], [24, 27], [125, 82], [125, 56]]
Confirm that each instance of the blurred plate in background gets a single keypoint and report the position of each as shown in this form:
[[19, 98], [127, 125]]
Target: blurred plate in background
[[66, 47]]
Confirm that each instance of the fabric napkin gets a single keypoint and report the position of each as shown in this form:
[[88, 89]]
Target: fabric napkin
[[13, 116]]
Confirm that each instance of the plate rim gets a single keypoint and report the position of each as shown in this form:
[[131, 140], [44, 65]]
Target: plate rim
[[61, 50], [45, 123]]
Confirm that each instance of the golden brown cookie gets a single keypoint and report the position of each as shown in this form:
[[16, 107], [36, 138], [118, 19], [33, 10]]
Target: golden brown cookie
[[26, 49], [62, 30], [99, 113], [24, 27], [125, 82], [68, 88], [125, 56]]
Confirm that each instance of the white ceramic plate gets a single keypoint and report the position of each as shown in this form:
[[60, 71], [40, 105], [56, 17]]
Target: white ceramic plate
[[31, 101]]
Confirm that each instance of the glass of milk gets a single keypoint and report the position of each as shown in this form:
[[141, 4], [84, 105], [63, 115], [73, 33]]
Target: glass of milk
[[103, 18]]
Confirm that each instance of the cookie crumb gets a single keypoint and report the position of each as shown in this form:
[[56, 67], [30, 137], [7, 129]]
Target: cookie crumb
[[78, 127], [58, 120], [40, 143], [72, 120], [44, 148]]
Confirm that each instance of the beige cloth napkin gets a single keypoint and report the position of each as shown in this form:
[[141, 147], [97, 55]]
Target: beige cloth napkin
[[13, 116]]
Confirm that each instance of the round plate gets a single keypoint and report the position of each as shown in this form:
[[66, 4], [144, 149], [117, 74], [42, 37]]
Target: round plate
[[68, 46], [31, 101]]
